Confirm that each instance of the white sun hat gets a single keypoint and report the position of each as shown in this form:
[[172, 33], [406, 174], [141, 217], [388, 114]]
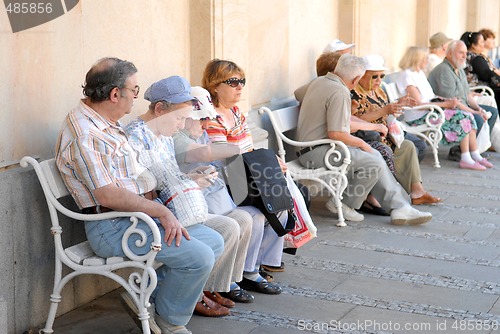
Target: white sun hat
[[202, 107], [374, 63], [337, 45]]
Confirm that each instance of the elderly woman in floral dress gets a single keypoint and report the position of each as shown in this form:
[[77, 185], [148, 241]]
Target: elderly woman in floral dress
[[459, 126]]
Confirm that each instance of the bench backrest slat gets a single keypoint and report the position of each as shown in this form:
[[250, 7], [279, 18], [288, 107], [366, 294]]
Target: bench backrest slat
[[53, 177], [287, 118]]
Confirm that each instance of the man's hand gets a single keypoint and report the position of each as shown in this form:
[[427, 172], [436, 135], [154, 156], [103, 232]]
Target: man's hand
[[365, 147], [173, 229]]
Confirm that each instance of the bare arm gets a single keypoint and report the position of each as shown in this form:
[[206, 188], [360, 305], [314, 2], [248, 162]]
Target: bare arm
[[414, 93], [475, 108], [121, 199], [210, 152], [375, 112], [360, 124], [350, 140]]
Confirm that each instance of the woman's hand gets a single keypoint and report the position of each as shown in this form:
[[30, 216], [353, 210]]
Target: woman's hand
[[203, 180], [382, 129], [450, 103], [484, 114], [393, 109], [407, 101]]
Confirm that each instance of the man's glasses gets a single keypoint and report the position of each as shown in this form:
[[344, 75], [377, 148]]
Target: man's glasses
[[134, 90], [234, 82], [381, 76]]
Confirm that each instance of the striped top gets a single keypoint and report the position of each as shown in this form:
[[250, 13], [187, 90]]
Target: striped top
[[238, 135], [92, 153]]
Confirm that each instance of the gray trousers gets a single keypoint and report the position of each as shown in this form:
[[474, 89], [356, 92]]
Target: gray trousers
[[236, 230], [367, 173]]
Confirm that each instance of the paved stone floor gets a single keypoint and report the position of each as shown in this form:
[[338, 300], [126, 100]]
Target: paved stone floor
[[371, 277]]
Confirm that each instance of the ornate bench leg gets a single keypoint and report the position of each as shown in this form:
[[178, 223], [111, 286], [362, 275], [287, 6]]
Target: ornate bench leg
[[338, 204], [436, 159], [55, 299]]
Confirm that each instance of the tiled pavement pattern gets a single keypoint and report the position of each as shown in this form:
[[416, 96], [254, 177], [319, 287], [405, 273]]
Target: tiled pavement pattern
[[372, 277]]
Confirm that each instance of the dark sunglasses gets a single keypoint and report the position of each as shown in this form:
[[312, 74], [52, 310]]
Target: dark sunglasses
[[374, 77], [234, 82]]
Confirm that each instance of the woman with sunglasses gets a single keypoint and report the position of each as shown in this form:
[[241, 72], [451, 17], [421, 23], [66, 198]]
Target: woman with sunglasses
[[370, 104], [225, 80]]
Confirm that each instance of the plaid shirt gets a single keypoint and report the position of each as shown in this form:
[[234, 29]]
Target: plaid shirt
[[177, 191], [92, 153]]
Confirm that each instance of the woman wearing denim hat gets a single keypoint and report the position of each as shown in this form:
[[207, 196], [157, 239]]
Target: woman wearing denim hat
[[225, 81], [151, 136], [372, 106]]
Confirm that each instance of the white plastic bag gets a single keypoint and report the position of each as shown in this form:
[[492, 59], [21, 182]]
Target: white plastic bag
[[483, 138], [396, 132], [300, 207], [495, 136]]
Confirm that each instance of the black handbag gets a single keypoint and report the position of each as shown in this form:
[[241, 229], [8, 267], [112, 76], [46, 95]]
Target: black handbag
[[255, 178], [367, 135]]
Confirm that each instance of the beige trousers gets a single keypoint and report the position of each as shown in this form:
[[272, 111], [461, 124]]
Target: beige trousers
[[407, 165], [236, 229]]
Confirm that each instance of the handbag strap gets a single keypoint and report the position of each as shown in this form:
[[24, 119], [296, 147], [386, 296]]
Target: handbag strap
[[272, 218]]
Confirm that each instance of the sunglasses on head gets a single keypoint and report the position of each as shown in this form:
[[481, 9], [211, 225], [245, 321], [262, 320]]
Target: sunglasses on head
[[381, 76], [234, 82]]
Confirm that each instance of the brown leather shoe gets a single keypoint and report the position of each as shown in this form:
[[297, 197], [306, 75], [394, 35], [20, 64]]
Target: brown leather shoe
[[216, 297], [209, 308], [425, 199]]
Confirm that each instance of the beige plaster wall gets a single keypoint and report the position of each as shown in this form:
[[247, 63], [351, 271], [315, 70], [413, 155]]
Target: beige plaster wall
[[44, 67], [284, 44]]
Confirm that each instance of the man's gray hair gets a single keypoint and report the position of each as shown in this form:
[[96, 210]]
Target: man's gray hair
[[350, 67], [452, 46]]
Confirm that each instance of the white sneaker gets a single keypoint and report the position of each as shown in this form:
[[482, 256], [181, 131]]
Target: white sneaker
[[133, 311], [168, 328], [349, 214], [409, 215]]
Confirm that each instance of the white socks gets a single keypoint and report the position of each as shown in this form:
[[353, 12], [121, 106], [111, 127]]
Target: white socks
[[476, 156], [466, 157]]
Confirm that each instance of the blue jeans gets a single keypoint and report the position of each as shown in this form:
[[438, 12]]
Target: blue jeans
[[186, 268]]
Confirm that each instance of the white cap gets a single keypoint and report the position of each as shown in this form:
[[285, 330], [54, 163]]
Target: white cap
[[337, 45], [202, 107], [374, 63]]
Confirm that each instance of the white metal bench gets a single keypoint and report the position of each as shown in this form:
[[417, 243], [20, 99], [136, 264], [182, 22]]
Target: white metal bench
[[333, 178], [81, 259], [430, 131]]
